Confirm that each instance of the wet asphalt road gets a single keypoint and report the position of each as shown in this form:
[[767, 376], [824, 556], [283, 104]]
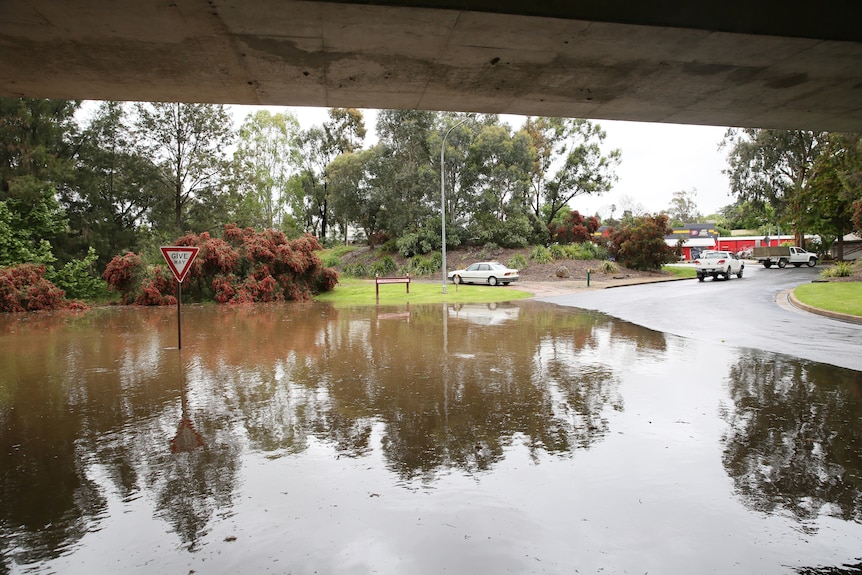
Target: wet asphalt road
[[750, 312]]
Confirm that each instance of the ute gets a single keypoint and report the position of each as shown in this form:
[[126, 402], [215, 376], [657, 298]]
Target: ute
[[783, 255], [718, 264]]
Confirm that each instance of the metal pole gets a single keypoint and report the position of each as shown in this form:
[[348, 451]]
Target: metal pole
[[179, 315], [443, 196]]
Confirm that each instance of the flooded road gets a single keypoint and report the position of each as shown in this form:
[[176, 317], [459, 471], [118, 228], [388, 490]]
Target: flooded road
[[502, 438]]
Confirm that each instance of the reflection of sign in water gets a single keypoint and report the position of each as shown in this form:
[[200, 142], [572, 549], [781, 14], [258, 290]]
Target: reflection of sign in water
[[179, 259], [187, 437]]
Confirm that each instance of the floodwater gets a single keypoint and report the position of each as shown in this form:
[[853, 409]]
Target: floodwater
[[510, 438]]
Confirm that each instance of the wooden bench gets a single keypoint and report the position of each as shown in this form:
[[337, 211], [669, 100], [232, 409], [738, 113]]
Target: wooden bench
[[395, 280]]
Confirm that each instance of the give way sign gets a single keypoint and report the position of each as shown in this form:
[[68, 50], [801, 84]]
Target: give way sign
[[179, 259]]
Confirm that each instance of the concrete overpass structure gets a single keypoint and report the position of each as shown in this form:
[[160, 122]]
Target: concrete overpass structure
[[760, 63]]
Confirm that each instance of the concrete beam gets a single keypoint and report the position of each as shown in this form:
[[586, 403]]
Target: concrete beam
[[755, 64]]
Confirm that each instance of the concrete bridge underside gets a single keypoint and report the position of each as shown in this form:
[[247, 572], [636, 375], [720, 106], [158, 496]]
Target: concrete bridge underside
[[757, 63]]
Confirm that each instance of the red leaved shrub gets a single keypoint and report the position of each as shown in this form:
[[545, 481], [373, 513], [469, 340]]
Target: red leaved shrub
[[243, 266], [24, 288]]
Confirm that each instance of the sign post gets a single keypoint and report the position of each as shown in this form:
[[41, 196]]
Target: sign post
[[179, 259]]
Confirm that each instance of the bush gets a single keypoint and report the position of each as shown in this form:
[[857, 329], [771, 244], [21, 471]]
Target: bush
[[640, 245], [518, 262], [384, 266], [541, 255], [838, 270], [559, 252], [77, 280], [356, 270], [242, 266], [609, 267], [24, 288], [425, 265]]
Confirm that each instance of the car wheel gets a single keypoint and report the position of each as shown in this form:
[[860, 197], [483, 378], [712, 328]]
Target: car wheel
[[782, 263], [727, 273], [492, 281], [700, 277], [812, 262], [456, 279], [767, 265], [739, 273]]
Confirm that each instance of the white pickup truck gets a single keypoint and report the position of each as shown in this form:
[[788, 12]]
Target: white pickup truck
[[783, 255], [715, 264]]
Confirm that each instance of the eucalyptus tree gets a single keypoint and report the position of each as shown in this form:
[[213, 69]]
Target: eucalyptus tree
[[189, 143], [320, 145], [683, 208], [266, 158], [354, 195], [774, 167], [568, 161], [405, 177]]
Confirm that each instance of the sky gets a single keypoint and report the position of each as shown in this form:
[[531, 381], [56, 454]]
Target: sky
[[657, 160]]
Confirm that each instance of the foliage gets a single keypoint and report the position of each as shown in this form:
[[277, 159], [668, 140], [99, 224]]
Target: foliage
[[188, 143], [517, 262], [541, 255], [838, 270], [683, 208], [78, 280], [356, 270], [640, 245], [25, 288], [426, 265], [243, 266], [574, 228], [383, 266], [609, 267]]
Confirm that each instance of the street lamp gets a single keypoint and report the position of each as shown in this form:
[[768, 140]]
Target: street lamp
[[443, 195]]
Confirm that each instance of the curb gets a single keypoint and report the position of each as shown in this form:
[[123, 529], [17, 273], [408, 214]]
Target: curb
[[791, 297]]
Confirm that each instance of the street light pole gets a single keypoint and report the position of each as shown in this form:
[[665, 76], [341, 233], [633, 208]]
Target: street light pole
[[443, 195]]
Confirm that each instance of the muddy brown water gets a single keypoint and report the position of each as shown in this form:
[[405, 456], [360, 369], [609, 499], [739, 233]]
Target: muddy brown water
[[508, 438]]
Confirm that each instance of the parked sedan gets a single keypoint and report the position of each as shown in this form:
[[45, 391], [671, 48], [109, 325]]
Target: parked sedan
[[491, 273]]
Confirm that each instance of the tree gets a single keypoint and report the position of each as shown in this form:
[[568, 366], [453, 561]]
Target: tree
[[774, 167], [344, 132], [267, 155], [115, 187], [835, 185], [404, 175], [567, 162], [640, 244], [683, 208], [38, 143], [354, 195], [188, 143]]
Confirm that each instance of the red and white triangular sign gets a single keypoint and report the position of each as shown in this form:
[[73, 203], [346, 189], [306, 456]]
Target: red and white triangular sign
[[179, 259]]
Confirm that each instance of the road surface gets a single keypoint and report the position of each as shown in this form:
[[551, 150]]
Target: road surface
[[750, 312]]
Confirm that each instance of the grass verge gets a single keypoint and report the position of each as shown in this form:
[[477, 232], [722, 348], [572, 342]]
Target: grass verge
[[680, 271], [841, 297], [351, 291]]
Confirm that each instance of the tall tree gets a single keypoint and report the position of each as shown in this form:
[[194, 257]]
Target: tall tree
[[683, 208], [115, 185], [189, 143], [267, 156], [355, 198], [568, 162], [342, 133], [404, 173], [774, 167]]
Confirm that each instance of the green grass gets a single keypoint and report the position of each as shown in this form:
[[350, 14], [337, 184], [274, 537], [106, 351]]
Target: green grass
[[842, 297], [680, 271], [350, 291]]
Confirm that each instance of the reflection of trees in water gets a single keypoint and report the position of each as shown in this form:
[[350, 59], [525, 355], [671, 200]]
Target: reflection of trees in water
[[842, 570], [794, 442], [438, 410], [278, 376]]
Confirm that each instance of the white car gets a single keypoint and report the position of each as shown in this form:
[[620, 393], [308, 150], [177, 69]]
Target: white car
[[716, 264], [491, 273]]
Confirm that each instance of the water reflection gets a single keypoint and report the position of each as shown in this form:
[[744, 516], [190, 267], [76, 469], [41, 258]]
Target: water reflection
[[794, 443], [102, 418]]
